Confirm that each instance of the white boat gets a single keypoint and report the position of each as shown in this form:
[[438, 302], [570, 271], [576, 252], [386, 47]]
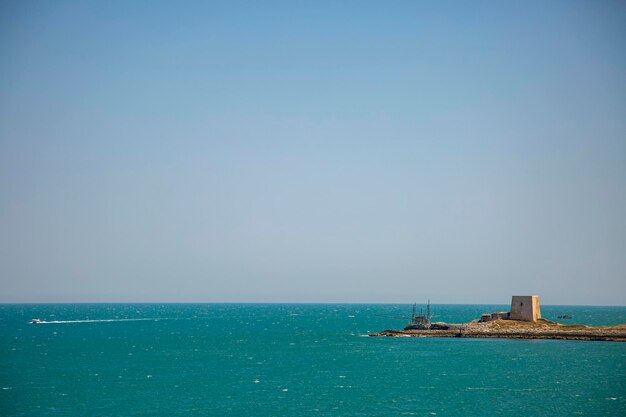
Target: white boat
[[36, 320]]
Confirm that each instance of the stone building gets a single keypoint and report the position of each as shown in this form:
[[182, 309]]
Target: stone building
[[525, 308], [500, 315]]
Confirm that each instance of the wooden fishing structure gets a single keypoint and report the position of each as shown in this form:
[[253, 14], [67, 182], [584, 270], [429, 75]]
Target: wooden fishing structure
[[420, 321]]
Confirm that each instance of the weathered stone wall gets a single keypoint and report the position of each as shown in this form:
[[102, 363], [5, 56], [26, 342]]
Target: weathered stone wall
[[501, 315], [525, 308]]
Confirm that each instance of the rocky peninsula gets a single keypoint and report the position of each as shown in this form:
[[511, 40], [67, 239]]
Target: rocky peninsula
[[515, 329]]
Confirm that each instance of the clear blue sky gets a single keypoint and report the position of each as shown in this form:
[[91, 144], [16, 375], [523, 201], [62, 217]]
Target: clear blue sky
[[294, 151]]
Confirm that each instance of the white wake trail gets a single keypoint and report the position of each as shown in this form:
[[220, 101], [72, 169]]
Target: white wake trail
[[95, 321]]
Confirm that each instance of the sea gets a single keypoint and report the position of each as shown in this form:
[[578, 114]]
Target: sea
[[295, 360]]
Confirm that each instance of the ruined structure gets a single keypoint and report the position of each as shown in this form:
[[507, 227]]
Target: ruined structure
[[500, 315], [525, 308]]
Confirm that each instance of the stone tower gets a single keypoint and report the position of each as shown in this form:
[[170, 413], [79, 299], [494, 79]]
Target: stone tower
[[525, 308]]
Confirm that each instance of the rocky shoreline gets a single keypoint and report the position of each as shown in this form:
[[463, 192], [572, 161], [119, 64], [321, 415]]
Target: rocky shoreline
[[513, 329]]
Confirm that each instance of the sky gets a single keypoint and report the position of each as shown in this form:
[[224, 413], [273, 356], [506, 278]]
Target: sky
[[340, 151]]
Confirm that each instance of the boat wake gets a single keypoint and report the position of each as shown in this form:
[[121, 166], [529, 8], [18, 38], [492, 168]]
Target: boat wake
[[92, 321]]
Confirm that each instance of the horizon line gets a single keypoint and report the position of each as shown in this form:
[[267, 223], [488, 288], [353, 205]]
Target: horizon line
[[284, 303]]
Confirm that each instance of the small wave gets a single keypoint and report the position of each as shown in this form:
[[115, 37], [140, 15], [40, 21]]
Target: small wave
[[482, 388]]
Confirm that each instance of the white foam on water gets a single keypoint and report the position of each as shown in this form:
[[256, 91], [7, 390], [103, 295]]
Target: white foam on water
[[96, 321]]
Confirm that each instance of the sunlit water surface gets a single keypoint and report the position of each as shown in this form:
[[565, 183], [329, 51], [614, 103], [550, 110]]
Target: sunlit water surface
[[294, 360]]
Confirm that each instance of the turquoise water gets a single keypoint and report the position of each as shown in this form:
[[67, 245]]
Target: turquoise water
[[294, 360]]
